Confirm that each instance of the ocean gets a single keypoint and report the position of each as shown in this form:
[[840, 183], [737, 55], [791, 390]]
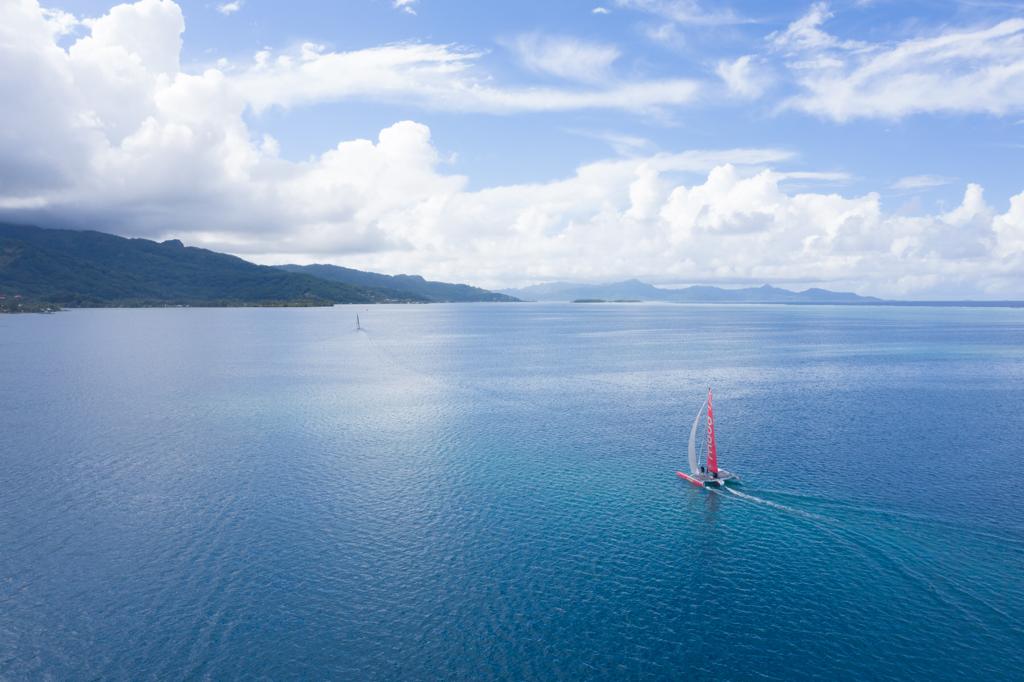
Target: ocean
[[482, 491]]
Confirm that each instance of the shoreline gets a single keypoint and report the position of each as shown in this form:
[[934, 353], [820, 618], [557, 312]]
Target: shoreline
[[50, 308]]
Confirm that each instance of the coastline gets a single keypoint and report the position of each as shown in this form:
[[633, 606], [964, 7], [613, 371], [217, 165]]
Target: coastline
[[25, 307]]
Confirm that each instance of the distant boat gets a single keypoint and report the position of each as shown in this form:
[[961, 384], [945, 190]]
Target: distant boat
[[708, 473]]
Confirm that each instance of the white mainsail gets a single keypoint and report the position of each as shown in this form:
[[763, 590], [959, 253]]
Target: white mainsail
[[694, 467]]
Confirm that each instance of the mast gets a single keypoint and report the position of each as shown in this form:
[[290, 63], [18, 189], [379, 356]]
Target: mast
[[712, 450]]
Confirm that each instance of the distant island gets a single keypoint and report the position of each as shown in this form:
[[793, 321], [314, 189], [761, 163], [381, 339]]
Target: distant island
[[635, 290], [42, 270]]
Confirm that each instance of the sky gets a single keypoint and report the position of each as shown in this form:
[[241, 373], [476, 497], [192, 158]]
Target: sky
[[859, 145]]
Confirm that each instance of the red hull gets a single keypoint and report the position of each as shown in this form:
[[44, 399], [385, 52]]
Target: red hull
[[691, 479]]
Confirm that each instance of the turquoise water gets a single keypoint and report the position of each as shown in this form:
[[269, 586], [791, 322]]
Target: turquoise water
[[484, 491]]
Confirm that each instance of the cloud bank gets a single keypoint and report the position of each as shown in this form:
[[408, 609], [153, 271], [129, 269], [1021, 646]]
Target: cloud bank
[[111, 134]]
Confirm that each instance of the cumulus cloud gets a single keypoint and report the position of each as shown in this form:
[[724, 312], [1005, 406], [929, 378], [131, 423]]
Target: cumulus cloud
[[111, 134], [957, 70], [62, 22]]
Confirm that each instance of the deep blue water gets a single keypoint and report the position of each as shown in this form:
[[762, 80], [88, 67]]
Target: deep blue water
[[485, 491]]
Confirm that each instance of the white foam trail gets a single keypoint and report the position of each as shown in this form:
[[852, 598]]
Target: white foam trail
[[942, 590], [775, 505]]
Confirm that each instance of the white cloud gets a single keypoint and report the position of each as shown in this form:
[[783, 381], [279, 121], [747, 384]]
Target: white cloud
[[673, 15], [744, 76], [600, 10], [565, 57], [441, 77], [684, 12], [822, 176], [407, 6], [61, 22], [623, 144], [959, 70], [145, 36], [230, 7], [666, 33], [805, 33], [913, 182], [1009, 230], [176, 158]]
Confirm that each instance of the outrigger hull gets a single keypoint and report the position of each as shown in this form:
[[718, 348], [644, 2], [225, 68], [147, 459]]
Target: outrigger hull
[[691, 479]]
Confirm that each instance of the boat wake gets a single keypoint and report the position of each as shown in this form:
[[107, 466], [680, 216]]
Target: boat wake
[[890, 557], [774, 505]]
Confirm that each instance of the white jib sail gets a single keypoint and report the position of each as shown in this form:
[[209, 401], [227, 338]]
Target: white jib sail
[[694, 467]]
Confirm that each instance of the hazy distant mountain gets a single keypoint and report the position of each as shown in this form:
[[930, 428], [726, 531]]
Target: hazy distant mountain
[[85, 268], [410, 284], [568, 291], [635, 289]]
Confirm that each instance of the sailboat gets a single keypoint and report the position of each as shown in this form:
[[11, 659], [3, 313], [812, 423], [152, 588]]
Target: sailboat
[[708, 473]]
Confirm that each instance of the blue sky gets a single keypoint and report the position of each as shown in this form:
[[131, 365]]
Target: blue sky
[[873, 146], [497, 149]]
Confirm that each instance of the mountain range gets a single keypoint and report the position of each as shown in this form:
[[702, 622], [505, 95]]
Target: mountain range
[[633, 289], [84, 268], [409, 284], [41, 269]]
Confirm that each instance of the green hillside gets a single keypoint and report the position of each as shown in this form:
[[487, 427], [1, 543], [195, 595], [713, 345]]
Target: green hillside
[[409, 284], [85, 268]]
